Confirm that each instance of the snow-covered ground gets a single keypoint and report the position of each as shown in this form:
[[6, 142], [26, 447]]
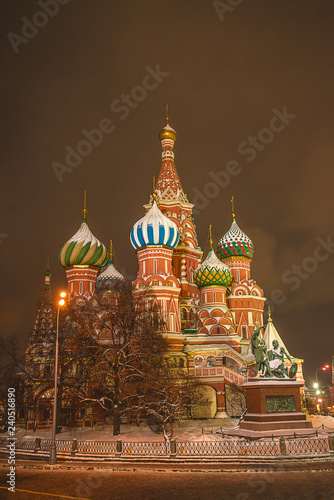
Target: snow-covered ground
[[187, 429], [319, 420]]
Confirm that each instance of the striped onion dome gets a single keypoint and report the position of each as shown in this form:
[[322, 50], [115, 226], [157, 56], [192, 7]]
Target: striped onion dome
[[110, 279], [212, 272], [235, 243], [154, 229], [83, 249]]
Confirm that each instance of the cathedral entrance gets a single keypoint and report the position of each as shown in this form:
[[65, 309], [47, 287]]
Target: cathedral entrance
[[205, 402], [235, 401]]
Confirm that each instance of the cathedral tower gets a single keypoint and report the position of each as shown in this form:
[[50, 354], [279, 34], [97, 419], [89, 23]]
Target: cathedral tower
[[174, 204], [154, 238], [246, 299], [82, 257]]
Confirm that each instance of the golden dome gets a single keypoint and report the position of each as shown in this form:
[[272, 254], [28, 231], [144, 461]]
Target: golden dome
[[167, 133]]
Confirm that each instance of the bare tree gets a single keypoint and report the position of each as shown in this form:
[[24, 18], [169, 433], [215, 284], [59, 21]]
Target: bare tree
[[169, 396], [116, 345]]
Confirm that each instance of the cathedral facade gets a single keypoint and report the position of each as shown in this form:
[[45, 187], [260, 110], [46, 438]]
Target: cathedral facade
[[210, 304]]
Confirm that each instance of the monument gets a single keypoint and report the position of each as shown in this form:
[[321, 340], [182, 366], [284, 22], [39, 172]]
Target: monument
[[273, 395]]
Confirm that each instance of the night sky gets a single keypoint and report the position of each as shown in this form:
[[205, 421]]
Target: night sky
[[250, 94]]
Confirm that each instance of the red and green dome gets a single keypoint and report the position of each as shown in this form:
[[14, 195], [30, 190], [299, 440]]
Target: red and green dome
[[212, 272], [235, 243]]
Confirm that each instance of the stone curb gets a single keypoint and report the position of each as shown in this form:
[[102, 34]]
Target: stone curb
[[248, 469]]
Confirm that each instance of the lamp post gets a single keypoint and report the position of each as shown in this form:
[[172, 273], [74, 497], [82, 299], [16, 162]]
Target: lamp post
[[323, 368], [53, 451]]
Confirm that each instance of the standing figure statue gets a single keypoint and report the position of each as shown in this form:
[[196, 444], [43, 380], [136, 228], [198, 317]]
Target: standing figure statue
[[276, 356], [259, 350]]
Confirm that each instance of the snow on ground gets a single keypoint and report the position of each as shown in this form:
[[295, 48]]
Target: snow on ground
[[319, 420], [188, 430]]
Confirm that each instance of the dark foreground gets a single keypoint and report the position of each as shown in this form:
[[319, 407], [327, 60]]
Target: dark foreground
[[208, 483]]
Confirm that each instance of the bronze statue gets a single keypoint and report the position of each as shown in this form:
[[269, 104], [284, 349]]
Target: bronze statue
[[276, 356], [259, 350]]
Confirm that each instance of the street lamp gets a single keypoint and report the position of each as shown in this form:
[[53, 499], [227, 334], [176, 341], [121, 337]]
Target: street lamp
[[53, 452], [323, 368]]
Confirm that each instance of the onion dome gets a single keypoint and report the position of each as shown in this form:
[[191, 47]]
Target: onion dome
[[110, 278], [154, 229], [212, 271], [167, 132], [235, 243], [83, 249]]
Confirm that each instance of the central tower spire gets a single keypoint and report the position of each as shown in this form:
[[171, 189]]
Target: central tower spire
[[173, 203], [169, 186]]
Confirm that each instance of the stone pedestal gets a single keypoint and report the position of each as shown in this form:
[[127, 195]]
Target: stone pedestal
[[273, 406]]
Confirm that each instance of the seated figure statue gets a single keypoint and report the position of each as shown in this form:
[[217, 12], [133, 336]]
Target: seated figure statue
[[276, 356]]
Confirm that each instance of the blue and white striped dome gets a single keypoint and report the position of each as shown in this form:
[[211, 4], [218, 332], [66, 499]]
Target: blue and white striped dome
[[110, 279], [154, 229]]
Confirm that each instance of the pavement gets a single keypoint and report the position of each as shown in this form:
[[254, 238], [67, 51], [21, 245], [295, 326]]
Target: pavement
[[202, 481], [315, 463]]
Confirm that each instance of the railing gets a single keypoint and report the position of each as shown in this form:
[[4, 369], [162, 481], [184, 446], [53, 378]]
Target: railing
[[146, 448], [181, 449], [227, 447], [306, 446], [96, 447]]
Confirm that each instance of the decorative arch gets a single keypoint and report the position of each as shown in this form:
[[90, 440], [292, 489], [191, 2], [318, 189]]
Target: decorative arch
[[219, 330], [206, 410]]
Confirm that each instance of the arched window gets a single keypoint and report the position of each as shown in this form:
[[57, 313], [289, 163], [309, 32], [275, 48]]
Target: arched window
[[198, 360], [210, 361], [155, 266], [181, 363], [183, 316], [192, 316]]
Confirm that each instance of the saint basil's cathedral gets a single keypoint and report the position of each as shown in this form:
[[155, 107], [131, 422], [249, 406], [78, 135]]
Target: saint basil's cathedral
[[210, 306]]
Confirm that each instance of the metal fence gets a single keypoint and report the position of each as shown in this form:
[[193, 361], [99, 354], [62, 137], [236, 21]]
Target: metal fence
[[146, 448], [227, 447], [96, 447], [307, 446], [201, 448]]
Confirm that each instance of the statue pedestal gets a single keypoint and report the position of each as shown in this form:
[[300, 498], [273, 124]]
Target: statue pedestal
[[273, 407]]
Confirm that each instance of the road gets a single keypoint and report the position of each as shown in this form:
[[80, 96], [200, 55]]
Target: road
[[34, 484]]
